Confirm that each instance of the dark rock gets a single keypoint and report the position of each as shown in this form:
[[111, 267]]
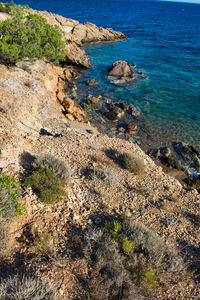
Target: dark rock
[[91, 82], [179, 156], [114, 113], [131, 128], [134, 111], [124, 106], [91, 100]]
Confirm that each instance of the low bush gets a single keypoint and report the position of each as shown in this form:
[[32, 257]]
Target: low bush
[[30, 37], [25, 287], [128, 257], [58, 167], [131, 162], [49, 187]]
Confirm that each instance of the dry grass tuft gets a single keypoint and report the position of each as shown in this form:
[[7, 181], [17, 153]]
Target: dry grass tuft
[[131, 162], [25, 287]]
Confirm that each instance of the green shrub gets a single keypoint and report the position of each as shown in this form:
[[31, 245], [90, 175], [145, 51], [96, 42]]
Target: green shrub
[[25, 287], [49, 187], [10, 206], [30, 37], [110, 280], [58, 167], [130, 162], [12, 9], [130, 252]]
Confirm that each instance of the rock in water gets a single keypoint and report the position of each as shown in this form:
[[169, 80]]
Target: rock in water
[[91, 82], [120, 69]]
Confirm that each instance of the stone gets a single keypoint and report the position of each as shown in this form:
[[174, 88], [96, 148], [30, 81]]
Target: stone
[[120, 69], [91, 82], [114, 114], [131, 128], [124, 106]]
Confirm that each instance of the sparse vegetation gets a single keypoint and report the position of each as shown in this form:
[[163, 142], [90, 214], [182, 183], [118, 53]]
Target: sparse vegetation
[[127, 256], [25, 287], [4, 238], [57, 166], [43, 243], [131, 162], [10, 206], [49, 188], [29, 37]]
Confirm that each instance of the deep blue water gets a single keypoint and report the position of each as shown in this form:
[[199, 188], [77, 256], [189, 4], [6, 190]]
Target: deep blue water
[[163, 41]]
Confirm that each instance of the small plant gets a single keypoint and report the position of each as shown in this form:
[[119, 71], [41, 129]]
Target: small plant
[[151, 278], [58, 167], [49, 187], [10, 206], [25, 287], [130, 162], [43, 243]]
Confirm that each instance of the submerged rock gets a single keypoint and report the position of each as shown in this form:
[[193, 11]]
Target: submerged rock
[[114, 113], [91, 82]]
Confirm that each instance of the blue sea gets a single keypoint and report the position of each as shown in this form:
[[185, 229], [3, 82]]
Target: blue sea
[[163, 41]]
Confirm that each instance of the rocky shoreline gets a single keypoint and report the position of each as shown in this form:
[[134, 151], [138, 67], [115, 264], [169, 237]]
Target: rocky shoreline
[[40, 113]]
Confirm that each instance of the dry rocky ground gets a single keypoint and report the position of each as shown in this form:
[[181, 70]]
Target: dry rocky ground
[[32, 123], [29, 104]]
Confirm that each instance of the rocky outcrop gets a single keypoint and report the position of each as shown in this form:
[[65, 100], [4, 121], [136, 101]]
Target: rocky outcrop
[[121, 71], [76, 34]]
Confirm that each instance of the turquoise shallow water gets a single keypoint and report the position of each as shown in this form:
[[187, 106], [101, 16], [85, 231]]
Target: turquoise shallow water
[[164, 42]]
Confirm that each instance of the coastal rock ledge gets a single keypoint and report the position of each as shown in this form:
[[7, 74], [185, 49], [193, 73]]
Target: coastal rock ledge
[[76, 34]]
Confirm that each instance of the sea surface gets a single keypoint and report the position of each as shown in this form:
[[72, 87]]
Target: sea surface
[[163, 41]]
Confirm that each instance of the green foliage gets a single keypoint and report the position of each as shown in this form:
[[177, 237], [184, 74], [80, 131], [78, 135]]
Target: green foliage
[[49, 187], [30, 37], [115, 230], [150, 277], [127, 245], [11, 8], [26, 287], [7, 182], [10, 205]]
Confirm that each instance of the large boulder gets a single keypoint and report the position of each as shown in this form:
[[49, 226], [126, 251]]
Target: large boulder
[[120, 69]]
